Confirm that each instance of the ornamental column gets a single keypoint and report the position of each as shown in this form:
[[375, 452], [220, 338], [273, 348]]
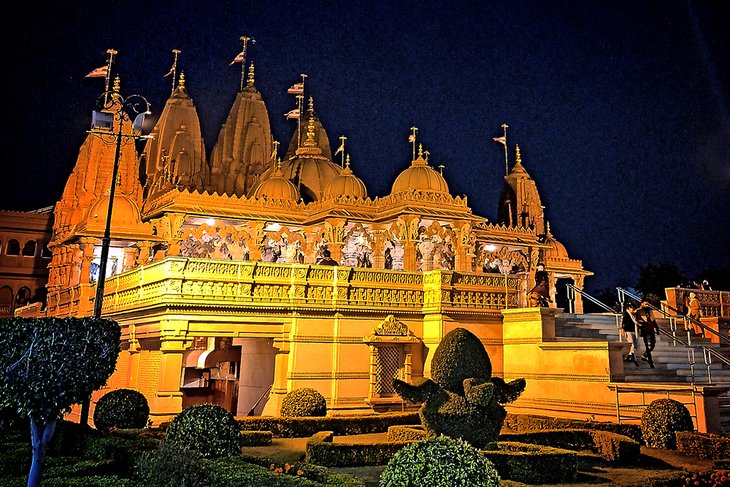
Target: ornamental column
[[87, 255]]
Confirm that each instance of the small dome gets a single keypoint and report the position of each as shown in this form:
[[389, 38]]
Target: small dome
[[124, 212], [420, 176], [346, 184], [277, 187], [556, 250]]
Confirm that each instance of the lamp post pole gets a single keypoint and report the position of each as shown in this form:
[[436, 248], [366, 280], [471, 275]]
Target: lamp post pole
[[138, 106], [106, 240]]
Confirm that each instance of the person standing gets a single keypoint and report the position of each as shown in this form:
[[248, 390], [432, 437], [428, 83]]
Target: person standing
[[629, 330], [647, 329], [540, 294], [693, 312]]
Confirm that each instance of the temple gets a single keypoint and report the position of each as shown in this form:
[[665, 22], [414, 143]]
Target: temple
[[216, 275]]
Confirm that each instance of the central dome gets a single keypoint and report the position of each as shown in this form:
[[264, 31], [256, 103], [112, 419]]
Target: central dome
[[277, 187], [420, 176]]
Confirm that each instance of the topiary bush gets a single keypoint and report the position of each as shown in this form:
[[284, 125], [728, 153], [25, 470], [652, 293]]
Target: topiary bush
[[121, 409], [305, 402], [661, 419], [439, 461], [208, 429], [462, 400]]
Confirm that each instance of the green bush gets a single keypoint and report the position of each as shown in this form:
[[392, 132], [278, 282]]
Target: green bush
[[321, 451], [207, 428], [703, 445], [89, 481], [439, 461], [533, 464], [172, 465], [661, 419], [340, 425], [305, 402], [121, 408]]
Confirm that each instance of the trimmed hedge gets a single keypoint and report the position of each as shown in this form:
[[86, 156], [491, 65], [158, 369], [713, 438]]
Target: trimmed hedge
[[339, 425], [612, 447], [304, 402], [661, 420], [703, 445], [407, 433], [533, 464], [121, 408], [207, 428], [321, 451], [256, 438], [531, 422]]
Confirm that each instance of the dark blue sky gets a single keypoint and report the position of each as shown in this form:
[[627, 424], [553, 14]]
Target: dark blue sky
[[619, 108]]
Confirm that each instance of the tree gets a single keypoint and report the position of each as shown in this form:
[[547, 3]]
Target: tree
[[653, 279], [49, 364]]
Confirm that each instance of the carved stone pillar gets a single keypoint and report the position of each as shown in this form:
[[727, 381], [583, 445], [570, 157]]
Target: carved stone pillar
[[380, 235], [145, 252], [130, 258], [87, 249], [334, 232]]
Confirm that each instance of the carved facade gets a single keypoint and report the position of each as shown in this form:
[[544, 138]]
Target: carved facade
[[215, 268]]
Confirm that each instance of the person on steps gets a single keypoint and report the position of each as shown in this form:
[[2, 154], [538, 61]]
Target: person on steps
[[629, 330], [647, 329]]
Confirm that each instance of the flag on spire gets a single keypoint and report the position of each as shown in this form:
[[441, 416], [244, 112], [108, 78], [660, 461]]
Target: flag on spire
[[292, 114], [502, 140], [340, 148], [99, 72], [412, 138], [296, 89], [172, 69], [237, 59]]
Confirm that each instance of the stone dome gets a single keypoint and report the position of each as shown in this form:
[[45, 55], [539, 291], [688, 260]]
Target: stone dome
[[125, 212], [556, 250], [346, 184], [277, 187], [420, 176]]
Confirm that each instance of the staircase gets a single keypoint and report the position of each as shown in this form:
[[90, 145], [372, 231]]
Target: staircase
[[671, 359]]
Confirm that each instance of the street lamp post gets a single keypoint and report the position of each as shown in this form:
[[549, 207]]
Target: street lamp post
[[113, 108]]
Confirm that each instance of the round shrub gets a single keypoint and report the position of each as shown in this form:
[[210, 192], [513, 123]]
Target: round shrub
[[208, 429], [439, 461], [460, 355], [121, 409], [304, 402], [661, 419]]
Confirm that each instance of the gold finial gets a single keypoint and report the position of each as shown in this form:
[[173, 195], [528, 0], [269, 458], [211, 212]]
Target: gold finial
[[311, 106], [518, 157], [117, 87], [181, 84], [310, 126], [347, 161], [441, 168], [250, 74], [278, 163], [420, 151], [173, 69], [549, 233]]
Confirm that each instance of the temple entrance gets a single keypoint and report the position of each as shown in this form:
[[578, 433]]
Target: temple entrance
[[561, 292], [258, 357], [211, 370]]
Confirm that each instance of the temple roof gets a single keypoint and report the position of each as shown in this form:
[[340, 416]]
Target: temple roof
[[420, 176], [519, 200], [277, 187], [346, 184]]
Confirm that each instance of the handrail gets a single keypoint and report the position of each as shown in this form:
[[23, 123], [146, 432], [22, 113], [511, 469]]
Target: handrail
[[590, 298], [707, 352], [571, 298], [623, 292], [253, 408]]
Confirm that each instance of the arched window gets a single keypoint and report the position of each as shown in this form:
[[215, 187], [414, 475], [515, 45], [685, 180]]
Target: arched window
[[46, 252], [6, 302], [13, 247], [23, 296], [29, 248]]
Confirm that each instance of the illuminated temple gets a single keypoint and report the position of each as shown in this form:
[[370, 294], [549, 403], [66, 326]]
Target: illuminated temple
[[217, 270]]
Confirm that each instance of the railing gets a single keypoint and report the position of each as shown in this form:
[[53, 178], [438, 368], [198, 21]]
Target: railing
[[633, 411], [707, 353], [571, 304], [261, 398]]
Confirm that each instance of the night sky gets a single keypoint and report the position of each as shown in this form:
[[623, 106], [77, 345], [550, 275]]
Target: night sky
[[619, 108]]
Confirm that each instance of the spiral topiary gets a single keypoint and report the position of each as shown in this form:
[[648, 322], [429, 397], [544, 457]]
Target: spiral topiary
[[661, 419], [121, 408], [304, 402], [439, 461], [208, 429]]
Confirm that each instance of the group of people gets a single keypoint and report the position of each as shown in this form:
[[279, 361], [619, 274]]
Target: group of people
[[640, 323]]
